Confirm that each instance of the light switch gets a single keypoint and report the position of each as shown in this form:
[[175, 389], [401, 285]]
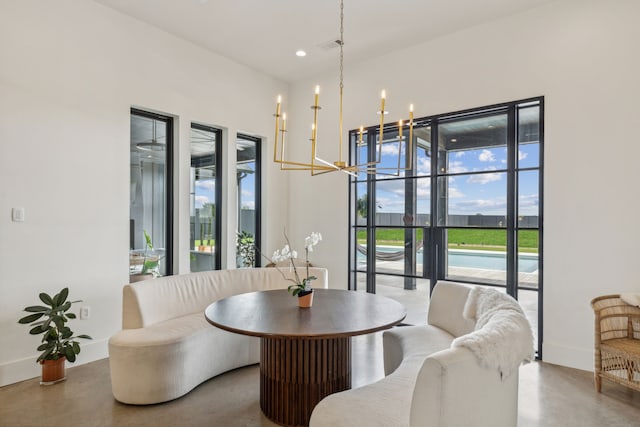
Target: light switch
[[17, 214]]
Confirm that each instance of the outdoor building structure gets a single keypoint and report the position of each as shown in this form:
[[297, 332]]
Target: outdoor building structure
[[72, 71]]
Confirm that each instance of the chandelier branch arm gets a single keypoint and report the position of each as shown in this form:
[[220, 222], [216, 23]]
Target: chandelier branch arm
[[318, 166]]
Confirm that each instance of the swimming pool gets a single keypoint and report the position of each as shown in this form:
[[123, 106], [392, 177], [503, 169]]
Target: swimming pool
[[485, 260], [527, 263]]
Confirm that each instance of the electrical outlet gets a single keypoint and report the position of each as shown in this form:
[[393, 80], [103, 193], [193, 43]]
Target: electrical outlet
[[85, 312]]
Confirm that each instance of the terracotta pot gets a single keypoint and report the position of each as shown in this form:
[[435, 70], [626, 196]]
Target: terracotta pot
[[53, 371], [305, 299]]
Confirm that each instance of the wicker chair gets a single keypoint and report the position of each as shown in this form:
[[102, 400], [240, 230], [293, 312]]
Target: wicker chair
[[617, 342]]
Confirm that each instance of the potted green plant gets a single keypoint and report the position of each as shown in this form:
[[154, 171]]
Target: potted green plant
[[245, 248], [149, 261], [301, 286], [58, 342]]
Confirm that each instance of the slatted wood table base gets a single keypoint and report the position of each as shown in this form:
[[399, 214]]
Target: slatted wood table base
[[306, 352], [296, 373]]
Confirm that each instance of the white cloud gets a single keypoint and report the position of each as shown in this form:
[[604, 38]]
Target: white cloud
[[391, 195], [528, 204], [522, 155], [487, 156], [389, 204], [459, 154], [484, 206], [424, 188], [454, 193], [484, 178], [208, 184], [395, 186], [457, 167], [424, 165], [390, 148], [247, 193], [201, 200]]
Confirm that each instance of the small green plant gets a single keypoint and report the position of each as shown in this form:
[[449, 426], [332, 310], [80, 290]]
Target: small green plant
[[245, 246], [58, 340], [149, 265]]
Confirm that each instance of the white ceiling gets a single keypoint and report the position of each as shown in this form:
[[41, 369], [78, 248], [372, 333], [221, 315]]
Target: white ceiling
[[265, 34]]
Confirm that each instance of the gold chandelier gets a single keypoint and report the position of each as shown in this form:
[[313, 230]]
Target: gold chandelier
[[318, 166]]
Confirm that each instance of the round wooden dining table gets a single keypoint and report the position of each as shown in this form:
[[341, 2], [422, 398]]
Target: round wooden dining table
[[305, 353]]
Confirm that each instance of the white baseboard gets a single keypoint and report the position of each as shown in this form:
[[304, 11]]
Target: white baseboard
[[27, 368], [577, 358]]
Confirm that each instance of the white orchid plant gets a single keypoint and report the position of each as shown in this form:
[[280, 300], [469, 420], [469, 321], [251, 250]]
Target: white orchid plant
[[289, 254]]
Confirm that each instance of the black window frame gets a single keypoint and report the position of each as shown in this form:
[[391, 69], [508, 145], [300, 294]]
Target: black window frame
[[434, 234], [257, 238], [206, 161], [169, 184]]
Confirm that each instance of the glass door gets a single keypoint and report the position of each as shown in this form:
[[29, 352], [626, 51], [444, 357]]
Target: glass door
[[470, 210], [390, 219]]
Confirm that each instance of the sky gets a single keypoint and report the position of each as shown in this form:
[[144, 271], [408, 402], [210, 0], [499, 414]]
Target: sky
[[467, 194], [483, 193], [205, 192]]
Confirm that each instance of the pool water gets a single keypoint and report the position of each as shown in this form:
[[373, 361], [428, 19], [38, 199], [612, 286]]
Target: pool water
[[486, 260], [491, 260]]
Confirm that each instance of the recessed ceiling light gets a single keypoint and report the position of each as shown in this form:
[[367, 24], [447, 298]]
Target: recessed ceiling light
[[301, 53]]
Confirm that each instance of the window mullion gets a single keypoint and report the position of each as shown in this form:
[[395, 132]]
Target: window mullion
[[371, 216], [512, 197]]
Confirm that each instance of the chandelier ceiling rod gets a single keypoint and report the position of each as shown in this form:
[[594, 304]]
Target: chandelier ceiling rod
[[319, 166]]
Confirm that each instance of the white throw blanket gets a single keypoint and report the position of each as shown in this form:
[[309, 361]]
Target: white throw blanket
[[631, 298], [502, 338]]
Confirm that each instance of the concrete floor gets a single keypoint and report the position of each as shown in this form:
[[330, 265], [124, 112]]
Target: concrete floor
[[549, 395]]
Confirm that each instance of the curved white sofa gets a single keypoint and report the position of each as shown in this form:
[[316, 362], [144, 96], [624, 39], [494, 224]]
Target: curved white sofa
[[167, 347], [432, 378]]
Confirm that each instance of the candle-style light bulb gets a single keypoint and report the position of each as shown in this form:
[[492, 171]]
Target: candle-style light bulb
[[383, 95], [410, 119], [361, 132], [284, 122], [316, 98], [279, 101]]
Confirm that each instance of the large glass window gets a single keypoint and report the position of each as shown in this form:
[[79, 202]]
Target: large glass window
[[478, 173], [150, 195], [206, 197], [390, 216], [248, 180]]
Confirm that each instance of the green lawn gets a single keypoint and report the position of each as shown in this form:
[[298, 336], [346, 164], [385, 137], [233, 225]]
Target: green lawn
[[462, 238]]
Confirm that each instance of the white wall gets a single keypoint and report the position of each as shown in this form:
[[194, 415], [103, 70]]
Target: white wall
[[70, 71], [582, 56]]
